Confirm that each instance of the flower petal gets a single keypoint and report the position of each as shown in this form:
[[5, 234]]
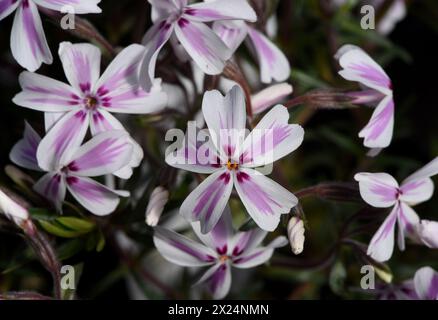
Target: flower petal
[[50, 118], [207, 202], [154, 40], [119, 88], [219, 237], [258, 256], [427, 171], [408, 221], [52, 187], [7, 7], [232, 33], [220, 10], [379, 130], [360, 67], [81, 63], [218, 280], [274, 65], [417, 191], [203, 45], [195, 155], [24, 151], [95, 197], [226, 119], [103, 121], [382, 243], [106, 153], [377, 189], [28, 42], [247, 241], [264, 199], [62, 140], [79, 6], [426, 283], [45, 94], [272, 139], [270, 96], [182, 250]]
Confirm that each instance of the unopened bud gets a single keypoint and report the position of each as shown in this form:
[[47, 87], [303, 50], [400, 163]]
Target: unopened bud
[[157, 201], [270, 96], [13, 211], [295, 232]]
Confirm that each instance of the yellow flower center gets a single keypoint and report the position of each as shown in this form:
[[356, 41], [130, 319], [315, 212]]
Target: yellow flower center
[[232, 166]]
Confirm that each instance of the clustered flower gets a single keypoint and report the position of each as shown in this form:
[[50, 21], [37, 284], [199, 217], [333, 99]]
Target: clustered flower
[[84, 140]]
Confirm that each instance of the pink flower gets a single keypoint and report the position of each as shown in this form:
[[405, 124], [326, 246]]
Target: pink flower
[[28, 42], [71, 168], [381, 190], [232, 158], [358, 66], [90, 99], [187, 23], [426, 284], [427, 232], [220, 250]]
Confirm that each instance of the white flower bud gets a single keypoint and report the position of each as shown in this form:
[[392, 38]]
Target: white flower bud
[[13, 210], [295, 232], [157, 201]]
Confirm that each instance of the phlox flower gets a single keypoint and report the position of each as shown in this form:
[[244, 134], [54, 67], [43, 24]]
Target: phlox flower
[[71, 169], [231, 160], [12, 210], [220, 250], [381, 190], [358, 66], [90, 99], [427, 233], [188, 23], [28, 41]]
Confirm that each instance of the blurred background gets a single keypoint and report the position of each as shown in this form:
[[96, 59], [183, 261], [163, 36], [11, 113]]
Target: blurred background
[[116, 259]]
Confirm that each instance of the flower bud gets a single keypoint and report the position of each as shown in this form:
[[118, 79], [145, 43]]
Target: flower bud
[[270, 96], [13, 211], [295, 231], [428, 233], [157, 201]]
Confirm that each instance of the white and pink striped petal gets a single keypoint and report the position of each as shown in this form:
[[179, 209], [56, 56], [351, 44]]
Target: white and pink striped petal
[[381, 246], [182, 250], [119, 87], [264, 199], [62, 141], [79, 6], [220, 10], [207, 202], [7, 7], [81, 63], [378, 189], [273, 138], [28, 41], [93, 196], [274, 66], [52, 187], [106, 153], [24, 151], [45, 94]]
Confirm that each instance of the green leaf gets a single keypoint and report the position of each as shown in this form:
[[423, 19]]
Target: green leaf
[[60, 230], [77, 224], [100, 242]]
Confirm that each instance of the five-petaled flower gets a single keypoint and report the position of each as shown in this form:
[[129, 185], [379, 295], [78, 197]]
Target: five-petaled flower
[[70, 169], [382, 191], [90, 98], [232, 159], [358, 66], [187, 22], [28, 41], [220, 249]]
